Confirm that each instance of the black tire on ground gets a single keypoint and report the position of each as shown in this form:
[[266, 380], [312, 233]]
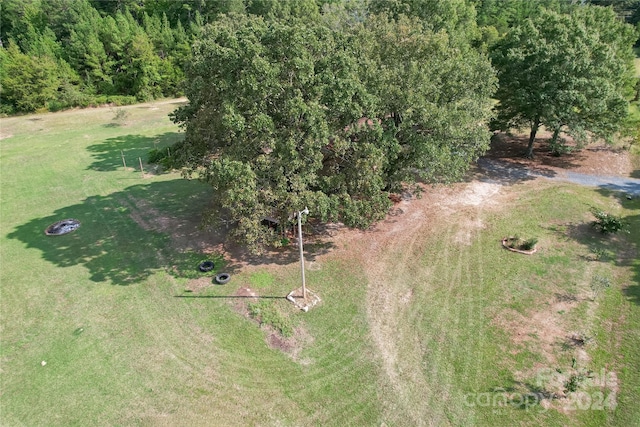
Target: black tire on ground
[[62, 227], [222, 278], [206, 266]]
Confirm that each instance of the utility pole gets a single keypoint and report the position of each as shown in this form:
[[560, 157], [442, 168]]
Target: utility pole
[[304, 288]]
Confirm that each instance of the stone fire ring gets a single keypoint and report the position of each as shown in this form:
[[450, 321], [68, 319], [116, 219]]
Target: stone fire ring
[[505, 243], [62, 227]]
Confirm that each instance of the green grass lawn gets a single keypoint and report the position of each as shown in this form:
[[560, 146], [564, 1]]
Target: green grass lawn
[[108, 307], [484, 325], [99, 305]]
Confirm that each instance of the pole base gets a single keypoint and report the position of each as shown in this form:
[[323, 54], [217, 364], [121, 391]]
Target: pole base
[[303, 304]]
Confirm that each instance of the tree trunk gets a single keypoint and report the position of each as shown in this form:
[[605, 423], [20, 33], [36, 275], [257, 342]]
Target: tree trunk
[[556, 133], [532, 136], [397, 119]]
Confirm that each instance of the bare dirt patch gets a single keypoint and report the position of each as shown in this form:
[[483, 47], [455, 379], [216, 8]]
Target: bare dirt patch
[[539, 330], [594, 159], [244, 295], [475, 194], [291, 346], [197, 285]]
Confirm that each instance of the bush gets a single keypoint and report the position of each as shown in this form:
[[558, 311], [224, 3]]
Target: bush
[[266, 312], [162, 156], [521, 244], [119, 100], [559, 148], [607, 223], [529, 244], [573, 383]]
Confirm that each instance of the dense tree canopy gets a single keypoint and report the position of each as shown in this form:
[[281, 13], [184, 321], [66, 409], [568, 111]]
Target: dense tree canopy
[[123, 51], [569, 72], [283, 116], [117, 58], [330, 104], [503, 14]]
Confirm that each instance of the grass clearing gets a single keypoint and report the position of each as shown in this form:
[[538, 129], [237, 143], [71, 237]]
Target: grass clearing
[[471, 329], [99, 306], [417, 325]]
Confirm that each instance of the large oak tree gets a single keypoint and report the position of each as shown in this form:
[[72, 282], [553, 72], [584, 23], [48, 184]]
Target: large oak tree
[[287, 115]]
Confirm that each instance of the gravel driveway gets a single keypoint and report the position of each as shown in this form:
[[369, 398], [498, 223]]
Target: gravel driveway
[[504, 171]]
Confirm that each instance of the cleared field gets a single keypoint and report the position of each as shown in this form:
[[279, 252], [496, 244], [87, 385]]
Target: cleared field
[[464, 326], [423, 318]]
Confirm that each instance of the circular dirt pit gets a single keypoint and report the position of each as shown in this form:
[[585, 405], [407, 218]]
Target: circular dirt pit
[[62, 227]]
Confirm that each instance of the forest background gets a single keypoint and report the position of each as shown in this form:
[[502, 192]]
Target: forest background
[[60, 54]]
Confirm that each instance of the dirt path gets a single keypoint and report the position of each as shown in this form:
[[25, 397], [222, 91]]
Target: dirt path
[[392, 256]]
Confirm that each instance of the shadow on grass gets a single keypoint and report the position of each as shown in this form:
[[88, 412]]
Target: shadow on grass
[[126, 236], [507, 173], [108, 154], [621, 249], [230, 296]]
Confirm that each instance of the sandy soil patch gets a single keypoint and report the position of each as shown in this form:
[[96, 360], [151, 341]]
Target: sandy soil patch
[[594, 159], [539, 330]]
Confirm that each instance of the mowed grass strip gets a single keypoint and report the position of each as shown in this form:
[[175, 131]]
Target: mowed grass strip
[[480, 330]]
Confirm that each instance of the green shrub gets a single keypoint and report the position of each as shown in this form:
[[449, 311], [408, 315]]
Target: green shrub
[[559, 147], [574, 382], [119, 100], [521, 244], [607, 223], [529, 244], [162, 156], [267, 313]]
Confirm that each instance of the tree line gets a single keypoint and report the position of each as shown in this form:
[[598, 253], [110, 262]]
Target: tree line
[[58, 54]]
